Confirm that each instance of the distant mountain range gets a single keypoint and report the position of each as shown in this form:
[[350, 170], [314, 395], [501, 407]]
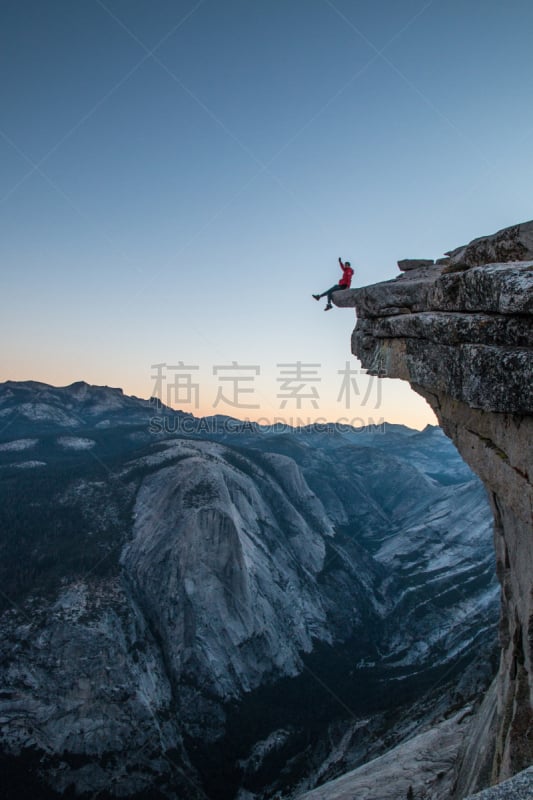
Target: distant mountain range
[[207, 607]]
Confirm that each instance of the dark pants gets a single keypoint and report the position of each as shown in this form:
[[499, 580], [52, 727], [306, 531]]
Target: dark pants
[[329, 292]]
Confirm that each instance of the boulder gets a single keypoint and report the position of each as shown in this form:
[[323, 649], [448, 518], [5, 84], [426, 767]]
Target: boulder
[[414, 263], [510, 244]]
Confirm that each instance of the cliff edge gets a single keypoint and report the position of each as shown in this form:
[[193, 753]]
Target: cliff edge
[[460, 331]]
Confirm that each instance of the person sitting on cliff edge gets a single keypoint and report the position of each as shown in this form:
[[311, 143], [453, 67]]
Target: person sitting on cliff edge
[[344, 283]]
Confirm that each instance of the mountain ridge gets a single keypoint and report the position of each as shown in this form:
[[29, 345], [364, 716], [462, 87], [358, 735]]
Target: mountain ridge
[[204, 581]]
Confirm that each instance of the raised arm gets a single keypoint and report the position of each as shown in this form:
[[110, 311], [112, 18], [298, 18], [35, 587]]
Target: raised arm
[[341, 264]]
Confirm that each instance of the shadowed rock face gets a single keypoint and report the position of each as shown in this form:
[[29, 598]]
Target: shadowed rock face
[[461, 333]]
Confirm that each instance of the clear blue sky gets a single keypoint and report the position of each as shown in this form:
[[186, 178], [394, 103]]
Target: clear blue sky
[[178, 177]]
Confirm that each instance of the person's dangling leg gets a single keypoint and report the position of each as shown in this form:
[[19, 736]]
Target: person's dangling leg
[[327, 292], [329, 295]]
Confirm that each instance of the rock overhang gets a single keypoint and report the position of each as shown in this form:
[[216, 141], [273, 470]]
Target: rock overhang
[[467, 332], [460, 330]]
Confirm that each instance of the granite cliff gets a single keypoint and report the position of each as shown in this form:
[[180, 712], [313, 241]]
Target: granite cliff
[[460, 331]]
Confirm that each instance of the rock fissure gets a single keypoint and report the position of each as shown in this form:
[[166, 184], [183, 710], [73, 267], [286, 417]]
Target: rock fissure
[[501, 454]]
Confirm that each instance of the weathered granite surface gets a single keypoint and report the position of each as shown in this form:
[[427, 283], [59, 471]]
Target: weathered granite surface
[[463, 337], [510, 244], [419, 767], [518, 788]]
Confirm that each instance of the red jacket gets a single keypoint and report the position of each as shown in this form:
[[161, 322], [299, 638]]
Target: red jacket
[[347, 275]]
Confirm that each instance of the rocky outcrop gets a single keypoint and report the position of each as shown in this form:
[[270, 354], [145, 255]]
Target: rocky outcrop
[[461, 333], [510, 244]]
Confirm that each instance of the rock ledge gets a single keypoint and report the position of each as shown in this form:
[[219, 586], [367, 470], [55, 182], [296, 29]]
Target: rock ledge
[[461, 333]]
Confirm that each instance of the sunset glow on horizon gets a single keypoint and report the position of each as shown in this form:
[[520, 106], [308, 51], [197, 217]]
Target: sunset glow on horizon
[[180, 178]]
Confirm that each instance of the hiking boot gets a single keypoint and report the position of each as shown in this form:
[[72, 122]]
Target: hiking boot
[[328, 307], [316, 296]]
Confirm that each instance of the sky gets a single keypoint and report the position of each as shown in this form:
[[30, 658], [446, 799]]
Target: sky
[[177, 177]]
